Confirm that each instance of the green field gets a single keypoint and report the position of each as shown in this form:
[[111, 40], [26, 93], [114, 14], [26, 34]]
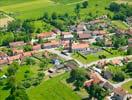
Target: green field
[[35, 8], [127, 86], [53, 89]]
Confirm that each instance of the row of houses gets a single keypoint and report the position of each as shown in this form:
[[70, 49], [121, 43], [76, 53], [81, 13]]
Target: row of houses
[[10, 59]]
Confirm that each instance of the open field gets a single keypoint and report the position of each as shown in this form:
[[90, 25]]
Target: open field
[[127, 86], [125, 1], [36, 8], [53, 88]]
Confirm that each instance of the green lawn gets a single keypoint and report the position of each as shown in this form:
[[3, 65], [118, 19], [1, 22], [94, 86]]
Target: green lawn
[[53, 89], [94, 57], [36, 8], [127, 86], [120, 24]]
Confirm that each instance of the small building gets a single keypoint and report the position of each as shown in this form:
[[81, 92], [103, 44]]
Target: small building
[[51, 44], [66, 35], [17, 44], [80, 47], [120, 93], [36, 47], [13, 58], [16, 51], [84, 36], [27, 54], [44, 35], [5, 61], [3, 56]]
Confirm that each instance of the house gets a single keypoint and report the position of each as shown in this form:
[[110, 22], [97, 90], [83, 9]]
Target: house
[[117, 62], [12, 58], [56, 31], [51, 44], [17, 44], [36, 47], [130, 42], [120, 93], [27, 54], [99, 32], [16, 51], [80, 46], [84, 36], [95, 78], [5, 61], [66, 35], [3, 56], [44, 35], [81, 27]]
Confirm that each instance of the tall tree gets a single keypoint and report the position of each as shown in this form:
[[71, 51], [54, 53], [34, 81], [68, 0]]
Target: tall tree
[[85, 4], [77, 10]]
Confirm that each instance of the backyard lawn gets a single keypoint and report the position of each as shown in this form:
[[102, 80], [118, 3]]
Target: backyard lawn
[[120, 24], [128, 86], [95, 56], [53, 88]]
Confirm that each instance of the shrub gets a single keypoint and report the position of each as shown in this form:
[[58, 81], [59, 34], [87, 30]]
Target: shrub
[[26, 84]]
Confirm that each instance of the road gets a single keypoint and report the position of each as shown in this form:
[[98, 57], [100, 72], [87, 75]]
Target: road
[[81, 64]]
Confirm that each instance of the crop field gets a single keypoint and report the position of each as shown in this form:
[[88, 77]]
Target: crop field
[[35, 8]]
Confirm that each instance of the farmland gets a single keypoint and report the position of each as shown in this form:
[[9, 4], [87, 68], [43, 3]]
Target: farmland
[[36, 8]]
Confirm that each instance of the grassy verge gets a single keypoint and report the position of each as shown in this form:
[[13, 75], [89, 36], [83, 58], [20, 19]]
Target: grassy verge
[[127, 86]]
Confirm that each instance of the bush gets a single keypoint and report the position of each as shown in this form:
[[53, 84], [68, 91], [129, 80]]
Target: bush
[[35, 82], [27, 84]]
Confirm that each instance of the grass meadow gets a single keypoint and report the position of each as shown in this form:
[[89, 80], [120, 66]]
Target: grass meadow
[[26, 9]]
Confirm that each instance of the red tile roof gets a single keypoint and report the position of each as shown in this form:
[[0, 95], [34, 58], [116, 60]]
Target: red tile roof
[[15, 44], [36, 47], [120, 91], [44, 35], [80, 46]]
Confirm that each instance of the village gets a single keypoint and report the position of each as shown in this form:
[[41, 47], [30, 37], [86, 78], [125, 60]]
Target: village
[[87, 45]]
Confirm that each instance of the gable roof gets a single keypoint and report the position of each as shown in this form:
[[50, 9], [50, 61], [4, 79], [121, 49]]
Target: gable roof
[[84, 36], [44, 35]]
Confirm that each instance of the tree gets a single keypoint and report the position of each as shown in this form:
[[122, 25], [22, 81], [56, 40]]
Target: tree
[[85, 4], [129, 51], [27, 48], [11, 82], [114, 7], [14, 26], [28, 27], [43, 64], [46, 16], [97, 92], [78, 76], [54, 15], [119, 76], [17, 93], [30, 61], [129, 67], [77, 10]]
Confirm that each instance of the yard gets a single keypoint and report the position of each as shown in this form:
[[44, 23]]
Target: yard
[[36, 8], [120, 24], [95, 56], [53, 88], [128, 86]]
